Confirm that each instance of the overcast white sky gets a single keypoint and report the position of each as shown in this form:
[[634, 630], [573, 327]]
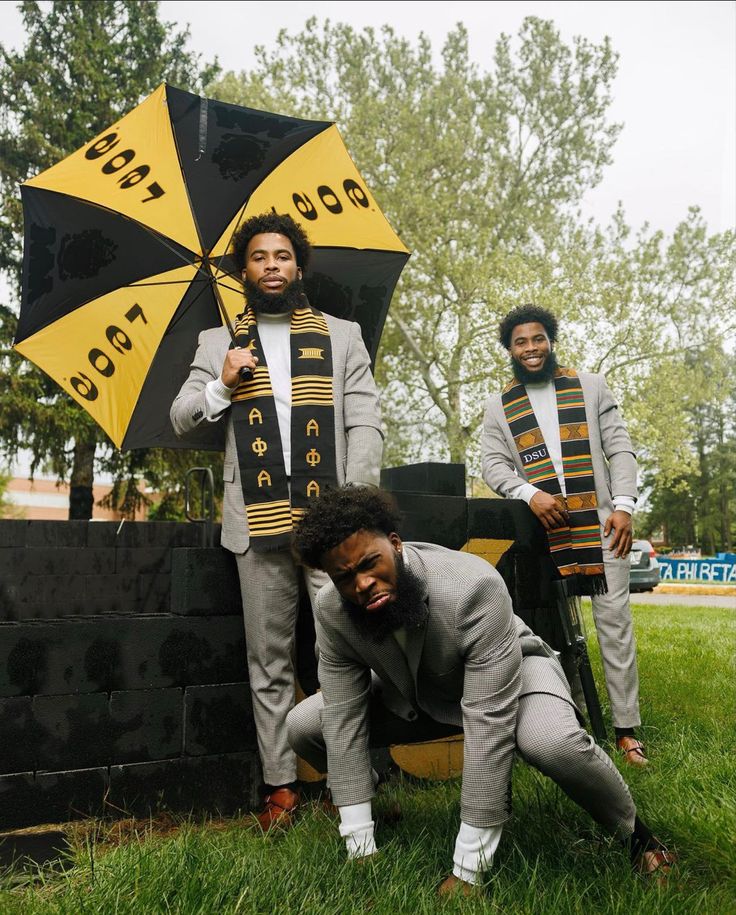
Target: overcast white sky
[[675, 92]]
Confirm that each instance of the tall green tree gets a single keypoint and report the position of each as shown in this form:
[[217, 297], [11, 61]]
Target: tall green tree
[[82, 66], [697, 507], [474, 168], [481, 170]]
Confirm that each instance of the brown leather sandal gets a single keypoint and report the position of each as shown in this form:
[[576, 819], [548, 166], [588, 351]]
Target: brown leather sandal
[[655, 863], [633, 750]]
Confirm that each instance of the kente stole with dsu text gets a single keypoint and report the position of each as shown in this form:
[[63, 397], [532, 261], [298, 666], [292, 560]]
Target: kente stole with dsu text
[[576, 549], [270, 510]]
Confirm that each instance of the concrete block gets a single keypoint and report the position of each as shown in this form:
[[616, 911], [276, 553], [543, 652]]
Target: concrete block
[[204, 582], [52, 534], [506, 519], [30, 597], [24, 658], [135, 561], [73, 731], [432, 478], [17, 747], [146, 725], [12, 533], [433, 519], [218, 719], [203, 784]]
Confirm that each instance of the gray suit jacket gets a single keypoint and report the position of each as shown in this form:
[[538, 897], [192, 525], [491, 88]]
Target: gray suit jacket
[[463, 667], [614, 461], [358, 432]]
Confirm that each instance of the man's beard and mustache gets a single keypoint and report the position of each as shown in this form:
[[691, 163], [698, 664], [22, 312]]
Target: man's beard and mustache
[[408, 609], [275, 303], [546, 373]]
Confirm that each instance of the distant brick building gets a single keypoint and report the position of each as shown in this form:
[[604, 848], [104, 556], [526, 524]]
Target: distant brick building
[[42, 499]]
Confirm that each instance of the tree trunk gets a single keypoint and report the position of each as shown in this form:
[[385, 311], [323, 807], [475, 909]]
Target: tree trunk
[[81, 499]]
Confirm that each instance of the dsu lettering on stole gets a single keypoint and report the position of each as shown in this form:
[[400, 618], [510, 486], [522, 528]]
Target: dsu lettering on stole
[[529, 456]]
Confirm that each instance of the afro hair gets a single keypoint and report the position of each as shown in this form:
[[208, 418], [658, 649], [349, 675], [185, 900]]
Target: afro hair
[[337, 515], [527, 314], [277, 223]]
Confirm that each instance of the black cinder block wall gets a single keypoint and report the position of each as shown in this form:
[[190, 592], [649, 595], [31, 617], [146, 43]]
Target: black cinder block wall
[[123, 683]]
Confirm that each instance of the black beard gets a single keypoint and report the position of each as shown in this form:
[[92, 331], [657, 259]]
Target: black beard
[[546, 373], [275, 303], [408, 608]]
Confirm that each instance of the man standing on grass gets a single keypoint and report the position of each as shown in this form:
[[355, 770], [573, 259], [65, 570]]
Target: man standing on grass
[[418, 642], [304, 415], [554, 438]]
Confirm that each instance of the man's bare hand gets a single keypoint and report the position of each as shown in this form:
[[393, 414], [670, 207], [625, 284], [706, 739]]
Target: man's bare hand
[[620, 523], [455, 886], [235, 360], [549, 511]]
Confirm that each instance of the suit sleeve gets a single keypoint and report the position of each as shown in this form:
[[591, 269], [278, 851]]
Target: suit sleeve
[[616, 444], [346, 688], [362, 415], [189, 407], [497, 464], [491, 650]]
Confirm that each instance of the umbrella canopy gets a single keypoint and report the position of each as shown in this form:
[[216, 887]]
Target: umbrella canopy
[[126, 250]]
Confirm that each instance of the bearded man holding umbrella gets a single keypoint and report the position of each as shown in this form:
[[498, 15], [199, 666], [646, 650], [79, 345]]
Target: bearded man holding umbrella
[[302, 413]]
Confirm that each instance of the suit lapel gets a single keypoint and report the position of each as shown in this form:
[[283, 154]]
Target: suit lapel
[[415, 637]]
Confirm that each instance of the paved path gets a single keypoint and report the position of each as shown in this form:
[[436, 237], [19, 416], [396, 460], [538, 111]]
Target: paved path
[[685, 598]]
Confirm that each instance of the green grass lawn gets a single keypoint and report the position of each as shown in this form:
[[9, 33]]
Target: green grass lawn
[[552, 858]]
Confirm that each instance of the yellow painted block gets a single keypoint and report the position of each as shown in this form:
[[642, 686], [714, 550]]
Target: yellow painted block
[[435, 759], [490, 550]]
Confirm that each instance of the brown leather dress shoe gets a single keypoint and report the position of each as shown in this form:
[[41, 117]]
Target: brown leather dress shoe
[[279, 809], [633, 750]]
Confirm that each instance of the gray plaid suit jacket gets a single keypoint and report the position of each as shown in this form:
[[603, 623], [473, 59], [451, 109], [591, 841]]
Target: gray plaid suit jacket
[[358, 432], [467, 666]]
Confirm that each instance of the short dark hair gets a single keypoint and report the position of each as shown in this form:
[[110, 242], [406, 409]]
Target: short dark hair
[[278, 223], [337, 515], [527, 314]]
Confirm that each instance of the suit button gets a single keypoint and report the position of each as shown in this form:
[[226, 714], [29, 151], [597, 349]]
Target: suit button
[[412, 715]]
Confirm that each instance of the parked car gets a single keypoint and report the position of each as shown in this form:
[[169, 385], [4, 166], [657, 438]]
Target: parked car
[[644, 574]]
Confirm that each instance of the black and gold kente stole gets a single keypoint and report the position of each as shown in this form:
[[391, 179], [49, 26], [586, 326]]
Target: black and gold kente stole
[[576, 550], [270, 512]]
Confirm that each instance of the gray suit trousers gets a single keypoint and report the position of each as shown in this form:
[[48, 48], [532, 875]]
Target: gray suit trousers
[[269, 585], [548, 737], [615, 630]]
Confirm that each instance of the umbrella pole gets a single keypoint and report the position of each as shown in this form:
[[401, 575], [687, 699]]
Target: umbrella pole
[[245, 374], [223, 310]]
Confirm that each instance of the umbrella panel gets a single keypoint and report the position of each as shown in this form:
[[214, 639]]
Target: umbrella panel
[[101, 353], [242, 146], [76, 252], [149, 425]]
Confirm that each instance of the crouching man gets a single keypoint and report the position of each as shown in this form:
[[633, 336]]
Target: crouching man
[[417, 642]]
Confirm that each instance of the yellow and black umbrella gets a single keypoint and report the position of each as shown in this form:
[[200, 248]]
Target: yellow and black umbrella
[[126, 249]]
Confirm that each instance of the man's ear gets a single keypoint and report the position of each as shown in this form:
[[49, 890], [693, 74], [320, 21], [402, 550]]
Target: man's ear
[[299, 272], [395, 541]]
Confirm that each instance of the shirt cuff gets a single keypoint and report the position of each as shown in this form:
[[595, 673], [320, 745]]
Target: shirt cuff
[[356, 827], [216, 398], [624, 504], [526, 492], [474, 850]]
